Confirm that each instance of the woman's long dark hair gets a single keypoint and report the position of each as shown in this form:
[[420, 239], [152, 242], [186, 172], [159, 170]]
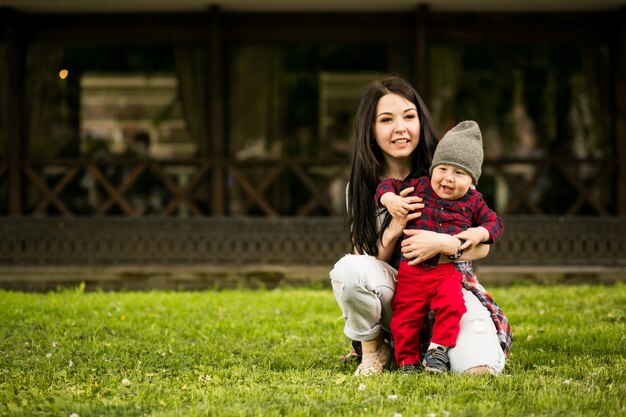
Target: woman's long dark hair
[[368, 159]]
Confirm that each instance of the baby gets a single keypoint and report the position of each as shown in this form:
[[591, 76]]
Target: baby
[[452, 206]]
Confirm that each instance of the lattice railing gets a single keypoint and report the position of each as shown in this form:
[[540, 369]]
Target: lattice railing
[[283, 187], [533, 184]]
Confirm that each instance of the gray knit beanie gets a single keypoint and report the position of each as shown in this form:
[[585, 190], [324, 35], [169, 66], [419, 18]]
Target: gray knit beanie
[[461, 146]]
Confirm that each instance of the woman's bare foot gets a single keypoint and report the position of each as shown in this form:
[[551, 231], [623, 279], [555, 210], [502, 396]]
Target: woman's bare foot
[[480, 370]]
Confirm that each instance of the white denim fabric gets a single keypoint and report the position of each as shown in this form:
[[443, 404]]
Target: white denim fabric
[[477, 343], [364, 288]]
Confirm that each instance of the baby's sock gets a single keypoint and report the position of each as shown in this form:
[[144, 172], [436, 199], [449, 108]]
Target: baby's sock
[[435, 346]]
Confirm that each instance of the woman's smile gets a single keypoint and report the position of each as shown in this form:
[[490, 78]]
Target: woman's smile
[[397, 126], [400, 141]]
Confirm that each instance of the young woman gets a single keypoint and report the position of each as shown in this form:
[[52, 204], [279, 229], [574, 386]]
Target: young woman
[[395, 138]]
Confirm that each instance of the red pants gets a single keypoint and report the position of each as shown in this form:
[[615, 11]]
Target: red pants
[[420, 289]]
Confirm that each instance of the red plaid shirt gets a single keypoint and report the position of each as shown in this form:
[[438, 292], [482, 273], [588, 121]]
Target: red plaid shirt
[[445, 216]]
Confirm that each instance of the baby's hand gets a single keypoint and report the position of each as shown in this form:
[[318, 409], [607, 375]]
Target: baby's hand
[[397, 206], [472, 237]]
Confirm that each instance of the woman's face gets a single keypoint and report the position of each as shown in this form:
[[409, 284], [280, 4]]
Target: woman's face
[[397, 127]]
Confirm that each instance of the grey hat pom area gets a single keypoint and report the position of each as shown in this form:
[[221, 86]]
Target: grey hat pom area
[[461, 146]]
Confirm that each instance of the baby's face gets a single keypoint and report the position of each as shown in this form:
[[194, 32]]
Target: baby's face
[[450, 182]]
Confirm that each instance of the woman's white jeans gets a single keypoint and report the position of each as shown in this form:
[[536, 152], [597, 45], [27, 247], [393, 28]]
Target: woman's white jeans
[[364, 287]]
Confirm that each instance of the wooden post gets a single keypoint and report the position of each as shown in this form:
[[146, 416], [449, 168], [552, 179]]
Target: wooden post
[[217, 112], [620, 113], [13, 90], [421, 51]]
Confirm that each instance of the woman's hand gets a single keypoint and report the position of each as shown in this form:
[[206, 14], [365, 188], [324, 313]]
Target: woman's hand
[[396, 227], [420, 245], [472, 237]]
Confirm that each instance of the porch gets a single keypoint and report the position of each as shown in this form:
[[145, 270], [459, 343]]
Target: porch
[[209, 201]]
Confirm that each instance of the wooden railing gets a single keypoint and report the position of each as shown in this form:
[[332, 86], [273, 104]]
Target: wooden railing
[[284, 187], [589, 183]]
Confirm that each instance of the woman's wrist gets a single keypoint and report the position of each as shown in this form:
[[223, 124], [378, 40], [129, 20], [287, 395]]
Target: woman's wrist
[[476, 252], [393, 231], [386, 245], [459, 252], [451, 245]]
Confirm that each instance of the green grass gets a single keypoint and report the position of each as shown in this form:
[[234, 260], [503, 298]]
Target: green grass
[[276, 353]]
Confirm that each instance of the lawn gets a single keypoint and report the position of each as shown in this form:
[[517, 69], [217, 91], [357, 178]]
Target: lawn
[[276, 353]]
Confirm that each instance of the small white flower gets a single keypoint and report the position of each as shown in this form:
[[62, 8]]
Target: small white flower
[[70, 364], [204, 378], [126, 382], [362, 387], [397, 415], [48, 355], [392, 397], [567, 382], [431, 414], [55, 344], [74, 415]]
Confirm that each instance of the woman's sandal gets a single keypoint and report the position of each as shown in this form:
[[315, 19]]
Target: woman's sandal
[[373, 362]]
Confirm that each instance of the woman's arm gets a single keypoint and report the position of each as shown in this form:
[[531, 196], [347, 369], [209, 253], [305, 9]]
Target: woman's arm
[[396, 227], [420, 245], [479, 251], [390, 237]]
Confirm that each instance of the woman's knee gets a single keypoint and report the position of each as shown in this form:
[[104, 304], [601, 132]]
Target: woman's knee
[[354, 272], [478, 349], [363, 288], [345, 271]]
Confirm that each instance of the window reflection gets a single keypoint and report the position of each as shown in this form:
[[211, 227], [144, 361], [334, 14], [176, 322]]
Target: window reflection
[[294, 105], [133, 115], [534, 103], [113, 100], [127, 130]]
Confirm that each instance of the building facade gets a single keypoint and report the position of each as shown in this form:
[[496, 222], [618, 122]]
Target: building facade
[[225, 112]]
